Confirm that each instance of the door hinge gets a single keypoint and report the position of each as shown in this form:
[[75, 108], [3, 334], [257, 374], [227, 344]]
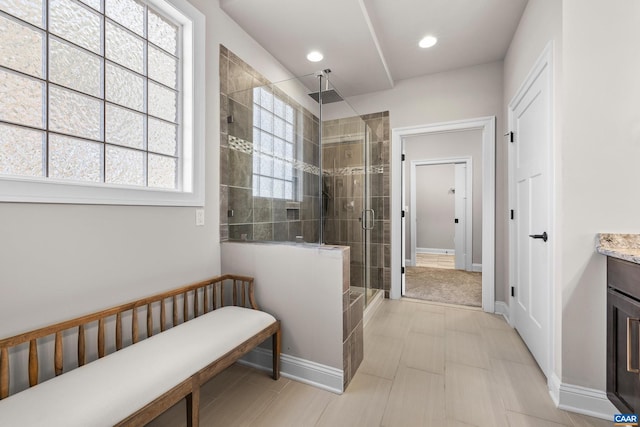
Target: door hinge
[[403, 214], [403, 157], [402, 270], [512, 213], [456, 220], [513, 291], [511, 137]]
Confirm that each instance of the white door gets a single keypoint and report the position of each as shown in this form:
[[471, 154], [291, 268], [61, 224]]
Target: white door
[[530, 115], [460, 220]]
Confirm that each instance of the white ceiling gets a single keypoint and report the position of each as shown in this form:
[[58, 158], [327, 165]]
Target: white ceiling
[[369, 45]]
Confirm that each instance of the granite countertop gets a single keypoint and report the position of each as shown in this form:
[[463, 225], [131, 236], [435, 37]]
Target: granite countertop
[[622, 246]]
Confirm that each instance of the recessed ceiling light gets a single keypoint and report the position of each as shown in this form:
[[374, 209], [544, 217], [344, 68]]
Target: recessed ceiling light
[[428, 41], [315, 56]]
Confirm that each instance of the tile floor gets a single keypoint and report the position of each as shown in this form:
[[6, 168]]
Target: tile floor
[[424, 365], [435, 261]]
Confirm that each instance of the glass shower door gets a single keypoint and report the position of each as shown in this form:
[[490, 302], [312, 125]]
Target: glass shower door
[[350, 216], [368, 216]]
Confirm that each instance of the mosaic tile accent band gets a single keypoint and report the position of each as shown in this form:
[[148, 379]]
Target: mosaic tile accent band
[[240, 145], [246, 147]]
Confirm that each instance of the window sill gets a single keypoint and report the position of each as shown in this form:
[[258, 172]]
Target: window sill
[[23, 191]]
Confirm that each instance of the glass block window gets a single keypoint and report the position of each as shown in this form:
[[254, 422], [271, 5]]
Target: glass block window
[[273, 146], [91, 92]]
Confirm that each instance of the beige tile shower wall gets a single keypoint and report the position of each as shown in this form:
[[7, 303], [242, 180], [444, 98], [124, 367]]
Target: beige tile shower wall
[[343, 149], [353, 344], [259, 218]]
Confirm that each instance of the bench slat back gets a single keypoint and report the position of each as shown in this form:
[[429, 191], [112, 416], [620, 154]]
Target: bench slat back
[[197, 299]]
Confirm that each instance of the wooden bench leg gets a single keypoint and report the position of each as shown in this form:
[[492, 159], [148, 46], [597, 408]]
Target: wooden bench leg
[[276, 355], [193, 407]]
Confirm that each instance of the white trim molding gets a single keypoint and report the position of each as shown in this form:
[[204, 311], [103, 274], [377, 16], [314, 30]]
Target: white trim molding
[[581, 400], [488, 127], [435, 251], [475, 267], [295, 368], [191, 134], [501, 308]]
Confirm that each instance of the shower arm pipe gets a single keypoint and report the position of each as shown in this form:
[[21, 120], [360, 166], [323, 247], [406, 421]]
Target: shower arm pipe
[[321, 74], [320, 175]]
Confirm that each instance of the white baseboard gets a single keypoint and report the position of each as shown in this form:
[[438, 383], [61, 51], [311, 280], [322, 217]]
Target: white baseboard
[[554, 383], [295, 368], [582, 400], [435, 251], [476, 267], [501, 307]]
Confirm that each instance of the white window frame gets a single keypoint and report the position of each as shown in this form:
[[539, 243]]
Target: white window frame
[[192, 128]]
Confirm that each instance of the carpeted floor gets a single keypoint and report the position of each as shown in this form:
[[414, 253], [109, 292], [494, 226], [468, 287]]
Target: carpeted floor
[[441, 285]]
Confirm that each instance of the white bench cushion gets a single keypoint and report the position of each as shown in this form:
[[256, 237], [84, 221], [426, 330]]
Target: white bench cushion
[[110, 389]]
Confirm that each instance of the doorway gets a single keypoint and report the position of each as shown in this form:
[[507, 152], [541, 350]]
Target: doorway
[[486, 125], [441, 195], [442, 211]]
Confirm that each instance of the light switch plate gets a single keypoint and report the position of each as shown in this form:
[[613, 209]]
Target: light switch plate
[[199, 217]]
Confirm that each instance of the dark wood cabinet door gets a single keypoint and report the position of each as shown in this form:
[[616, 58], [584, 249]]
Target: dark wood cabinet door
[[623, 387]]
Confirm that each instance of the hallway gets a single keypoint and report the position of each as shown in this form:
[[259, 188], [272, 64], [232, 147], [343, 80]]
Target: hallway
[[425, 365]]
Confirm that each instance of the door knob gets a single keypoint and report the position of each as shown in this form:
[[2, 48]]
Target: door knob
[[542, 236]]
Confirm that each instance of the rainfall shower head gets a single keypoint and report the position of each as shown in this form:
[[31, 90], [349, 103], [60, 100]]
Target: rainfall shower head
[[328, 96]]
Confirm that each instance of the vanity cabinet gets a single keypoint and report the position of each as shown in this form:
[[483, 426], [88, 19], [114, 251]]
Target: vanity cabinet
[[623, 334]]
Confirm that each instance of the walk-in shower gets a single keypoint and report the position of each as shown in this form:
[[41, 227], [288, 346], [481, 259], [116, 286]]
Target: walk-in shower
[[299, 164]]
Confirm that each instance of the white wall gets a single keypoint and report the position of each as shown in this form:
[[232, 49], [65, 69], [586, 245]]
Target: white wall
[[59, 261], [435, 206], [301, 285], [600, 174], [597, 146], [459, 94], [448, 145], [540, 24]]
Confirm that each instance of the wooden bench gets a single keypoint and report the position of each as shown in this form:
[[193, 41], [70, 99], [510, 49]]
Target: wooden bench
[[190, 335]]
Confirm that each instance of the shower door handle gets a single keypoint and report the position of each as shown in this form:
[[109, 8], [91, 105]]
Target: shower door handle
[[364, 222]]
